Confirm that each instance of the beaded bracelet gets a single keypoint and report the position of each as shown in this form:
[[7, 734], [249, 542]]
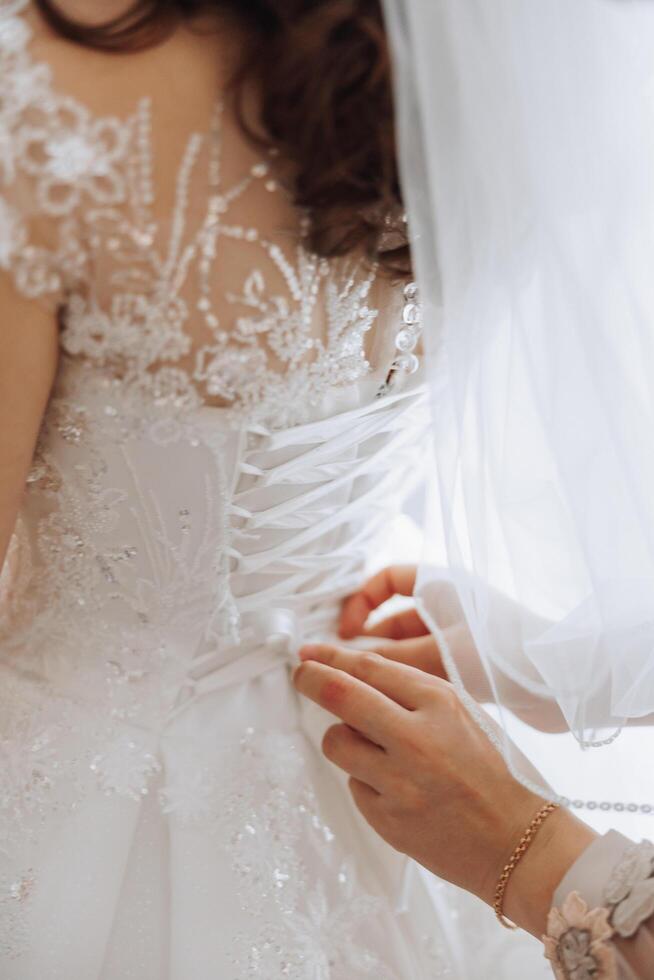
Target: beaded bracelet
[[510, 866]]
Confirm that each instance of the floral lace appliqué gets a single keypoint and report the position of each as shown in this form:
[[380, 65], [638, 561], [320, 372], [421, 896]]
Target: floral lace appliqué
[[138, 302], [630, 890], [113, 582], [578, 942]]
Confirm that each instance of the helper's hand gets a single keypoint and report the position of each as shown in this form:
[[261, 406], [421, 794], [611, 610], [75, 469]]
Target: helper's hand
[[429, 781], [390, 581], [412, 643], [403, 636]]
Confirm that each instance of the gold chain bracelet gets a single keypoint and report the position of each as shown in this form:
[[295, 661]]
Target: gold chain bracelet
[[510, 866]]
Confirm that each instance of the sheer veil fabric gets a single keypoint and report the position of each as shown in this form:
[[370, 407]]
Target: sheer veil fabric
[[527, 153]]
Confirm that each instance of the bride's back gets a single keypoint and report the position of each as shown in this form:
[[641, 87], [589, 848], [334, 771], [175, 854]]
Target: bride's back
[[221, 454], [171, 244]]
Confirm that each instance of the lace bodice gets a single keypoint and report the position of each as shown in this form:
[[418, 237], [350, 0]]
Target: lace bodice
[[221, 457], [205, 296], [194, 326], [228, 437]]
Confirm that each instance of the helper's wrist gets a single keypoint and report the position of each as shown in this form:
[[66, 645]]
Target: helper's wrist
[[557, 845]]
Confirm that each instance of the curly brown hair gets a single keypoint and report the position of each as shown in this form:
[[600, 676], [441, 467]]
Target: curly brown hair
[[323, 74]]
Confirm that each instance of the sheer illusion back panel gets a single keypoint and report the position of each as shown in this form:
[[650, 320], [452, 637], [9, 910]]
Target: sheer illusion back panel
[[176, 244]]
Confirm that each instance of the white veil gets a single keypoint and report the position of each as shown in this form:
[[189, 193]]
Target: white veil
[[526, 137]]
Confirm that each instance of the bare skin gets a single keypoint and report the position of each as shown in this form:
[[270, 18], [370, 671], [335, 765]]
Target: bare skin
[[404, 637], [28, 361], [428, 780], [422, 773], [28, 330]]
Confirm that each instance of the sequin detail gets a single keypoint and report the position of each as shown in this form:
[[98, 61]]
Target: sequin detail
[[121, 573], [155, 323], [305, 927]]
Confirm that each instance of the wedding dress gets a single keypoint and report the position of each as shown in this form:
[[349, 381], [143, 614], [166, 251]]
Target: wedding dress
[[219, 460]]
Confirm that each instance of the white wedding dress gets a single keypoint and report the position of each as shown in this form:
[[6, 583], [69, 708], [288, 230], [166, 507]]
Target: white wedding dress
[[219, 462]]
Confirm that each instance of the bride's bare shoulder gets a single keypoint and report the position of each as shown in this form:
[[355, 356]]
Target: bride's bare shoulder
[[186, 67]]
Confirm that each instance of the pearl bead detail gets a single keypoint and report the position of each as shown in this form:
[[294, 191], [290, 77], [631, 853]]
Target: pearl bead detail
[[405, 361], [407, 337]]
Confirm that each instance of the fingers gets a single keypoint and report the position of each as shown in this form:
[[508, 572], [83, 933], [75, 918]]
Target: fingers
[[421, 653], [350, 699], [402, 626], [394, 580], [367, 800], [355, 755], [405, 685]]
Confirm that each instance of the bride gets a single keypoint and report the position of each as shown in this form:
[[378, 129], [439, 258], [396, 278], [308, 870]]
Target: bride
[[211, 402]]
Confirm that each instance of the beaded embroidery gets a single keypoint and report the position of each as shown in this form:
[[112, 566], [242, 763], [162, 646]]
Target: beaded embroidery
[[277, 839], [159, 330], [406, 341], [101, 583]]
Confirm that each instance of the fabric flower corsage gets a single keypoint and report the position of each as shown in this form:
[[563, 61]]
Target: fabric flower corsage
[[630, 889], [577, 942]]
